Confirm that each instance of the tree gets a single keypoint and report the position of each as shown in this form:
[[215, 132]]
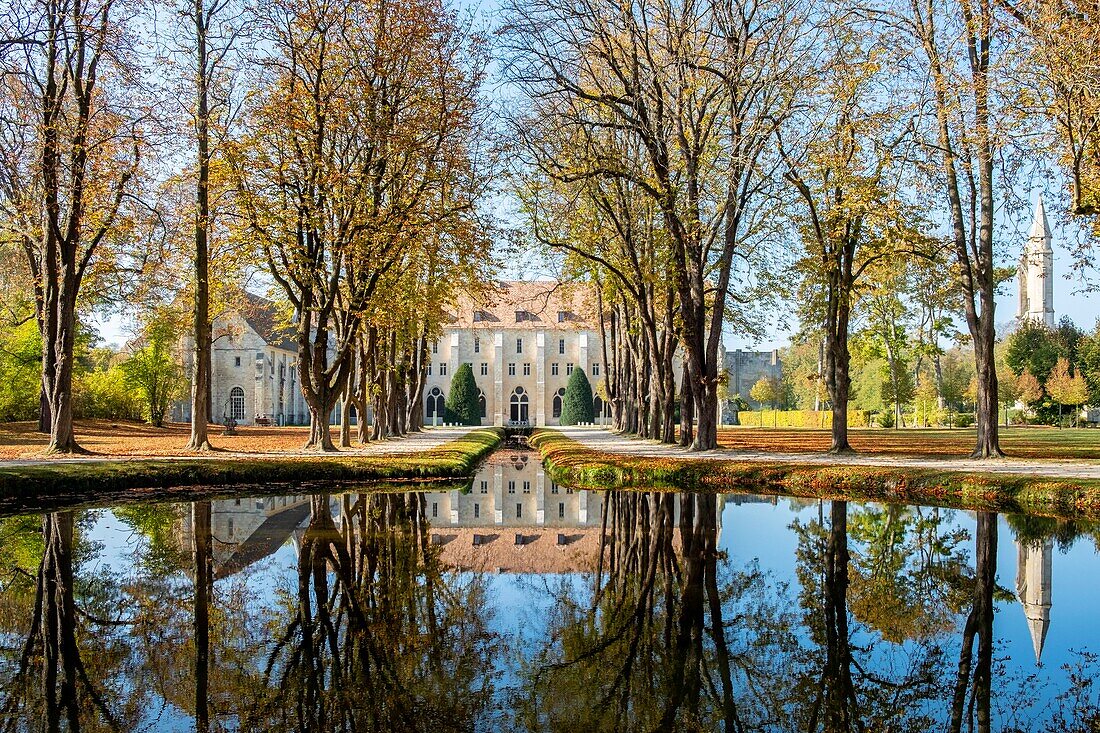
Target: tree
[[767, 390], [347, 163], [152, 370], [463, 406], [1034, 347], [1066, 388], [73, 130], [1029, 387], [577, 404], [962, 64]]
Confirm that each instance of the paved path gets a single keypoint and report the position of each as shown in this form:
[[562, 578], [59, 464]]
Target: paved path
[[413, 443], [604, 440]]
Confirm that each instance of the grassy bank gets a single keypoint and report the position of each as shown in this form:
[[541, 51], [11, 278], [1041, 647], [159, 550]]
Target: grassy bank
[[81, 480], [570, 463]]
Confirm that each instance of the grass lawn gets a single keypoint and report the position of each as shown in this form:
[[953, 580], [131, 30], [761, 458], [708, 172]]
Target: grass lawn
[[572, 464], [1020, 442], [80, 481], [122, 438]]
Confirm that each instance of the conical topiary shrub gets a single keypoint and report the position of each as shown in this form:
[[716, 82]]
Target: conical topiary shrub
[[577, 405], [462, 404]]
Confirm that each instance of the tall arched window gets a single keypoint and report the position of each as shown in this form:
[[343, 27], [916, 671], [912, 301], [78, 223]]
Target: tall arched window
[[481, 401], [236, 403], [559, 400], [434, 404], [519, 405]]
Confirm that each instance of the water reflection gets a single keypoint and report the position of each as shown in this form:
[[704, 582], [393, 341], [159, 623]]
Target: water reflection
[[383, 611]]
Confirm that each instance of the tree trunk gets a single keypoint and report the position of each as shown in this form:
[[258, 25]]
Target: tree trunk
[[201, 330]]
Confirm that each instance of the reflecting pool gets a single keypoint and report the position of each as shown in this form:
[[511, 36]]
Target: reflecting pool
[[522, 605]]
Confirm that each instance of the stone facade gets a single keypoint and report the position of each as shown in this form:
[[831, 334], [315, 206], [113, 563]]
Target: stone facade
[[252, 377], [745, 368], [523, 341]]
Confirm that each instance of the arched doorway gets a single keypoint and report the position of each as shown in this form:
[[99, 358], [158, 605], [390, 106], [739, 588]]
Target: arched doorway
[[434, 404], [236, 403], [519, 406], [559, 402], [481, 402]]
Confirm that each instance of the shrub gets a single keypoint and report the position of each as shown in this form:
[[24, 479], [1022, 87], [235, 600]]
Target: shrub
[[963, 420], [885, 419], [577, 405], [462, 403]]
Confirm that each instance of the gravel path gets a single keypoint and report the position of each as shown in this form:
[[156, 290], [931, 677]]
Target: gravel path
[[413, 443], [609, 442]]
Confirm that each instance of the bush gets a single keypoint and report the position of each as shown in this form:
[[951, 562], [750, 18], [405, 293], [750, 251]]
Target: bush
[[885, 419], [462, 403], [106, 396], [963, 420], [577, 405]]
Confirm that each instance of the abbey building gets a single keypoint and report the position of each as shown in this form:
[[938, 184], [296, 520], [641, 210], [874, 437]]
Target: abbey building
[[1036, 273]]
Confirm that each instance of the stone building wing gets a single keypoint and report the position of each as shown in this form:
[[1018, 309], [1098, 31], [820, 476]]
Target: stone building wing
[[531, 305]]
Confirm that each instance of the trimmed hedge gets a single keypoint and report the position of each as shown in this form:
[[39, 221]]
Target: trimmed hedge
[[577, 406], [462, 403], [572, 464]]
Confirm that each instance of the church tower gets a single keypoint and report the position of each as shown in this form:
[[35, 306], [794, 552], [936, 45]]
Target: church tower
[[1036, 272]]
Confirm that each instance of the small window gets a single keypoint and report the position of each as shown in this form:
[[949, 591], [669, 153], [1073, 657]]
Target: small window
[[554, 369], [478, 317], [562, 316], [442, 368], [231, 527], [435, 347], [561, 510], [519, 510], [521, 316], [595, 370], [561, 346], [237, 361], [553, 488], [568, 489], [527, 487], [477, 345], [568, 368], [477, 511], [484, 369], [435, 509], [527, 370], [429, 369], [485, 487], [238, 502], [511, 487], [511, 370], [519, 346]]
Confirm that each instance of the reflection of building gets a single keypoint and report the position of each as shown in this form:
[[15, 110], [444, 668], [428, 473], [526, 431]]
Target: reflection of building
[[1033, 573], [516, 519], [1036, 272], [523, 340], [246, 530]]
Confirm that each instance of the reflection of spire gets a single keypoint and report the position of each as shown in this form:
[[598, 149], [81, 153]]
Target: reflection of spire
[[1033, 588]]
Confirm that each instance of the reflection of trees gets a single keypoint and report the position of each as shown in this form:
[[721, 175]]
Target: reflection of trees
[[50, 680], [203, 557], [378, 637], [975, 675], [651, 652]]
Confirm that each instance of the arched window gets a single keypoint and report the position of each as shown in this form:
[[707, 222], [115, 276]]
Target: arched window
[[236, 403], [599, 407], [519, 405], [481, 401], [434, 404], [559, 400]]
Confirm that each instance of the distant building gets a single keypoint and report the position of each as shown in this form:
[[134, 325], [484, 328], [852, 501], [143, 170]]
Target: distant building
[[523, 340], [1035, 272], [252, 376], [745, 368]]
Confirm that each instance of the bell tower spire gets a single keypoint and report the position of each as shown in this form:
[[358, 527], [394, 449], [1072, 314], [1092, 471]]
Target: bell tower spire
[[1036, 272]]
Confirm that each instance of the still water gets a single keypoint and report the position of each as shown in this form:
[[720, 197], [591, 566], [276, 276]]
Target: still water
[[523, 605]]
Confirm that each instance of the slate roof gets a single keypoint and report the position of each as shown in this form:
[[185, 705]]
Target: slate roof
[[530, 305], [262, 317]]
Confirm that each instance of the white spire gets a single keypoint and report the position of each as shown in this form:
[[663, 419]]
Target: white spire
[[1040, 230]]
